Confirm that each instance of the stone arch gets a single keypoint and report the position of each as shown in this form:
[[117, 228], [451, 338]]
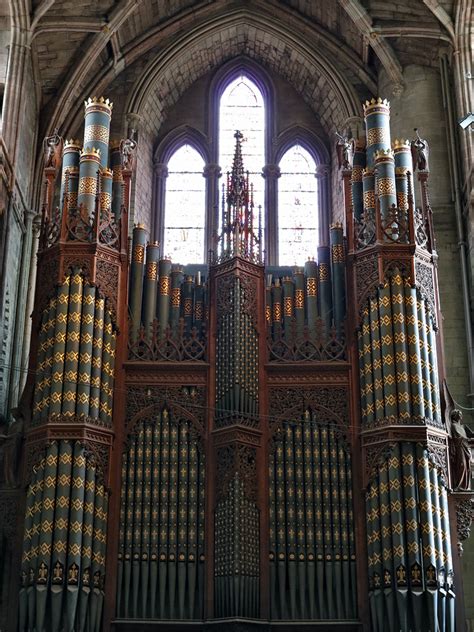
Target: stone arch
[[317, 80], [262, 43]]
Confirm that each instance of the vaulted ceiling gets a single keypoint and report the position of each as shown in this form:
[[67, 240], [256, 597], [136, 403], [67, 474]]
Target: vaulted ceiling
[[79, 46]]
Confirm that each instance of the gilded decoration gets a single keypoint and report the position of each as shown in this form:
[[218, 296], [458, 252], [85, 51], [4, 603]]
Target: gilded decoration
[[87, 185], [376, 135], [369, 199], [138, 253], [96, 132], [385, 186]]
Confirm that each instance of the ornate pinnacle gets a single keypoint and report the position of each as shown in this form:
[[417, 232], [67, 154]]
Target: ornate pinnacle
[[236, 187]]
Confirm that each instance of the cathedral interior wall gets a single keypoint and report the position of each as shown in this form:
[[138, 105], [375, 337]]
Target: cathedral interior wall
[[419, 105]]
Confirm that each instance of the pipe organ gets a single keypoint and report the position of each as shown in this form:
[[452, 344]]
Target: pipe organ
[[198, 437]]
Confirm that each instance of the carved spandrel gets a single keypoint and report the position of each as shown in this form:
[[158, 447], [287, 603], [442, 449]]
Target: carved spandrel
[[464, 518], [425, 284], [182, 401], [329, 405]]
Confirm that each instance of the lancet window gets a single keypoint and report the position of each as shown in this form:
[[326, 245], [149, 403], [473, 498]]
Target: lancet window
[[242, 108], [286, 171], [184, 221], [297, 207]]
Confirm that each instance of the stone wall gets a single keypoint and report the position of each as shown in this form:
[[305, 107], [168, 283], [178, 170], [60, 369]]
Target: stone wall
[[16, 238], [421, 106]]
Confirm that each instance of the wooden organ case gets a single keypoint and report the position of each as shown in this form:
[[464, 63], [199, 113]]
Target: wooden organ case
[[239, 445]]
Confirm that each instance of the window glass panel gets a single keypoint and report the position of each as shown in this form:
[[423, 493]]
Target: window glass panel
[[185, 207], [297, 207], [242, 108]]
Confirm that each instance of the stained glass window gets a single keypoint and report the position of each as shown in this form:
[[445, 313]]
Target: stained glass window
[[242, 108], [185, 207], [297, 207]]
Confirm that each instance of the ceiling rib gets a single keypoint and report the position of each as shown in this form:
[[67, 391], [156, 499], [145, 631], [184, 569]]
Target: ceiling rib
[[442, 15], [380, 46]]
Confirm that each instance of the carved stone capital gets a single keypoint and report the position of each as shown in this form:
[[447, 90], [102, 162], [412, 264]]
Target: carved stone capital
[[212, 170], [322, 171], [271, 172], [134, 121], [160, 169]]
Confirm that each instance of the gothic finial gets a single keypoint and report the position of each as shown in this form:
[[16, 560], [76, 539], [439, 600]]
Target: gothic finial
[[238, 237]]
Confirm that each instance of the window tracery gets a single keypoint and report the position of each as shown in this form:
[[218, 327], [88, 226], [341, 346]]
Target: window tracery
[[284, 169]]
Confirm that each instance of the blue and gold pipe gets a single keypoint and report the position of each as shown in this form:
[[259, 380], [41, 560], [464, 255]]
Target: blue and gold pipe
[[70, 172], [358, 165], [89, 166], [385, 180], [98, 112], [377, 122]]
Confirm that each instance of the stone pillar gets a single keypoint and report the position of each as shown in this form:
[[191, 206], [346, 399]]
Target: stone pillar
[[212, 173], [324, 202], [160, 173], [271, 173]]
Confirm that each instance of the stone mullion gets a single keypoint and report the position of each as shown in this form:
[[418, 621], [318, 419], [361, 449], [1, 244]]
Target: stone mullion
[[160, 174], [212, 173], [271, 173], [323, 203]]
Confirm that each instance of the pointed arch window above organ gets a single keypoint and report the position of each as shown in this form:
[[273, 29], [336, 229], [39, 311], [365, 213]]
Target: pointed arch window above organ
[[185, 214], [243, 96], [298, 215], [242, 108]]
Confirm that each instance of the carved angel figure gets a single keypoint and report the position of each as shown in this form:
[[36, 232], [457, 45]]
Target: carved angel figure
[[345, 151], [52, 149], [127, 151], [420, 152]]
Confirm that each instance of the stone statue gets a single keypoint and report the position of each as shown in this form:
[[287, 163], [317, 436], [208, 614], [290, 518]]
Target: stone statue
[[461, 437], [345, 151], [52, 149], [420, 152], [460, 452], [127, 152]]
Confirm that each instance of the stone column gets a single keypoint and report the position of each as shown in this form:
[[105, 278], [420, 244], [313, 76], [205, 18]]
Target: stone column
[[271, 173], [212, 173], [160, 173], [324, 202]]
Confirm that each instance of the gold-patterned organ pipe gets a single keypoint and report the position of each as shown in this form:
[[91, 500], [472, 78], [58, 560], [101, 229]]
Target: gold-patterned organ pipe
[[73, 335], [96, 370]]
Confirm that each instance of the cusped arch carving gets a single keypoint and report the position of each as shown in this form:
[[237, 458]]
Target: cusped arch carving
[[290, 404], [145, 404]]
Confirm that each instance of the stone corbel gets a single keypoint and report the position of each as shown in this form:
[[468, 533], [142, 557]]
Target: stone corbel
[[464, 505]]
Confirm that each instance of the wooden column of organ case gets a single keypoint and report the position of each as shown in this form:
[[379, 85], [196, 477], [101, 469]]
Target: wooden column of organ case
[[237, 445]]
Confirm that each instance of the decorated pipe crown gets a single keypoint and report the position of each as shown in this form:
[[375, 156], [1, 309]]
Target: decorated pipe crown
[[91, 153], [383, 154], [114, 145], [100, 104], [375, 106], [401, 143], [72, 144]]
